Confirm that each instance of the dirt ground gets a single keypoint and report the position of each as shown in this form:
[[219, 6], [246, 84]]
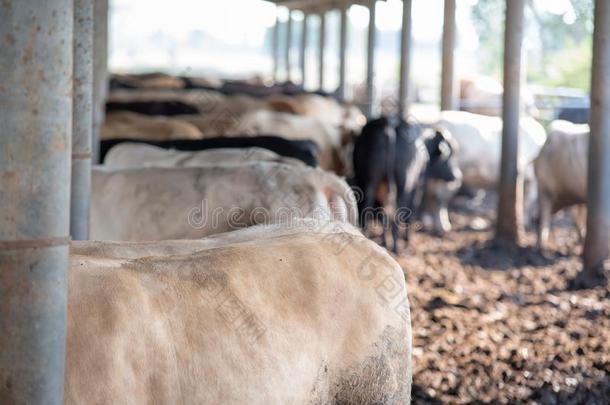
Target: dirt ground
[[494, 327]]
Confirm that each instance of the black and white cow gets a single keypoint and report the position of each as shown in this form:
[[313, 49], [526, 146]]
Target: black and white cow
[[393, 154]]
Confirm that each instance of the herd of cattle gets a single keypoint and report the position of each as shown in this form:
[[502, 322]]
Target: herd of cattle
[[237, 273]]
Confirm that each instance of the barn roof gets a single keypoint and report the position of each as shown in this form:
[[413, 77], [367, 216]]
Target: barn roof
[[318, 5]]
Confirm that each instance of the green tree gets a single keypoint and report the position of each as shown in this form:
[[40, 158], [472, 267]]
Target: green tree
[[562, 55]]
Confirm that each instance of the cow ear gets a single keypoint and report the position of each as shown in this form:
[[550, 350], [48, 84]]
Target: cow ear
[[444, 149], [445, 136]]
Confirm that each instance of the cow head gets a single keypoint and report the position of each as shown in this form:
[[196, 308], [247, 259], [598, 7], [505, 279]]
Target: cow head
[[443, 164], [443, 179]]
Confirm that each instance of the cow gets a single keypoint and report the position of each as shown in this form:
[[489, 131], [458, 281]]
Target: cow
[[561, 173], [157, 203], [304, 150], [480, 141], [347, 117], [268, 315], [154, 80], [391, 153], [132, 155], [122, 124], [329, 138], [154, 107], [442, 180]]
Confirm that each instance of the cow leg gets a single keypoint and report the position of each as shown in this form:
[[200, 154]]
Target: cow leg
[[579, 219], [384, 226], [368, 201], [545, 211]]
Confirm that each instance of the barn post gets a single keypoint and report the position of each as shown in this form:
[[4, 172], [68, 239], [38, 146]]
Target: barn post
[[448, 101], [322, 46], [100, 71], [370, 63], [303, 54], [288, 46], [342, 52], [82, 119], [276, 47], [405, 59], [597, 241], [35, 145], [509, 196]]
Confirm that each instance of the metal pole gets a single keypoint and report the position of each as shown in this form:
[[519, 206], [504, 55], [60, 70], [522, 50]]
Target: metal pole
[[288, 45], [82, 119], [322, 47], [597, 242], [448, 75], [100, 71], [303, 57], [276, 48], [35, 132], [370, 65], [405, 59], [510, 199], [342, 52]]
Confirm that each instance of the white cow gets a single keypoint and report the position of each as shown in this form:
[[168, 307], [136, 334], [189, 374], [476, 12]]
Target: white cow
[[480, 146], [132, 155], [561, 172], [157, 203], [304, 315]]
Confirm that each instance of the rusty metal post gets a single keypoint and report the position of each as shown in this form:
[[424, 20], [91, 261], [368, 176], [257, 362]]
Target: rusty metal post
[[370, 60], [405, 59], [597, 242], [288, 46], [342, 51], [509, 196], [322, 48], [82, 119], [448, 74], [100, 71], [303, 53], [35, 143]]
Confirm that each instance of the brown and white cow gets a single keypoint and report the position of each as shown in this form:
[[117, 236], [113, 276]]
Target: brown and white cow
[[328, 137], [125, 124], [308, 315]]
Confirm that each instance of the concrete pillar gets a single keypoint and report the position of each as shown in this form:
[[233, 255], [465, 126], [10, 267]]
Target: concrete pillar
[[322, 48], [303, 53], [276, 49], [510, 198], [448, 99], [597, 242], [100, 71], [82, 119], [288, 46], [370, 62], [35, 143], [405, 59], [342, 51]]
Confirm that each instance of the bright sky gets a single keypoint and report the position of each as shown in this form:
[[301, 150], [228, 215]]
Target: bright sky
[[228, 35]]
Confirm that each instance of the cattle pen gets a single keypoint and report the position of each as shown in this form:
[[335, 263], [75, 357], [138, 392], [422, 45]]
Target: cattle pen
[[55, 96]]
